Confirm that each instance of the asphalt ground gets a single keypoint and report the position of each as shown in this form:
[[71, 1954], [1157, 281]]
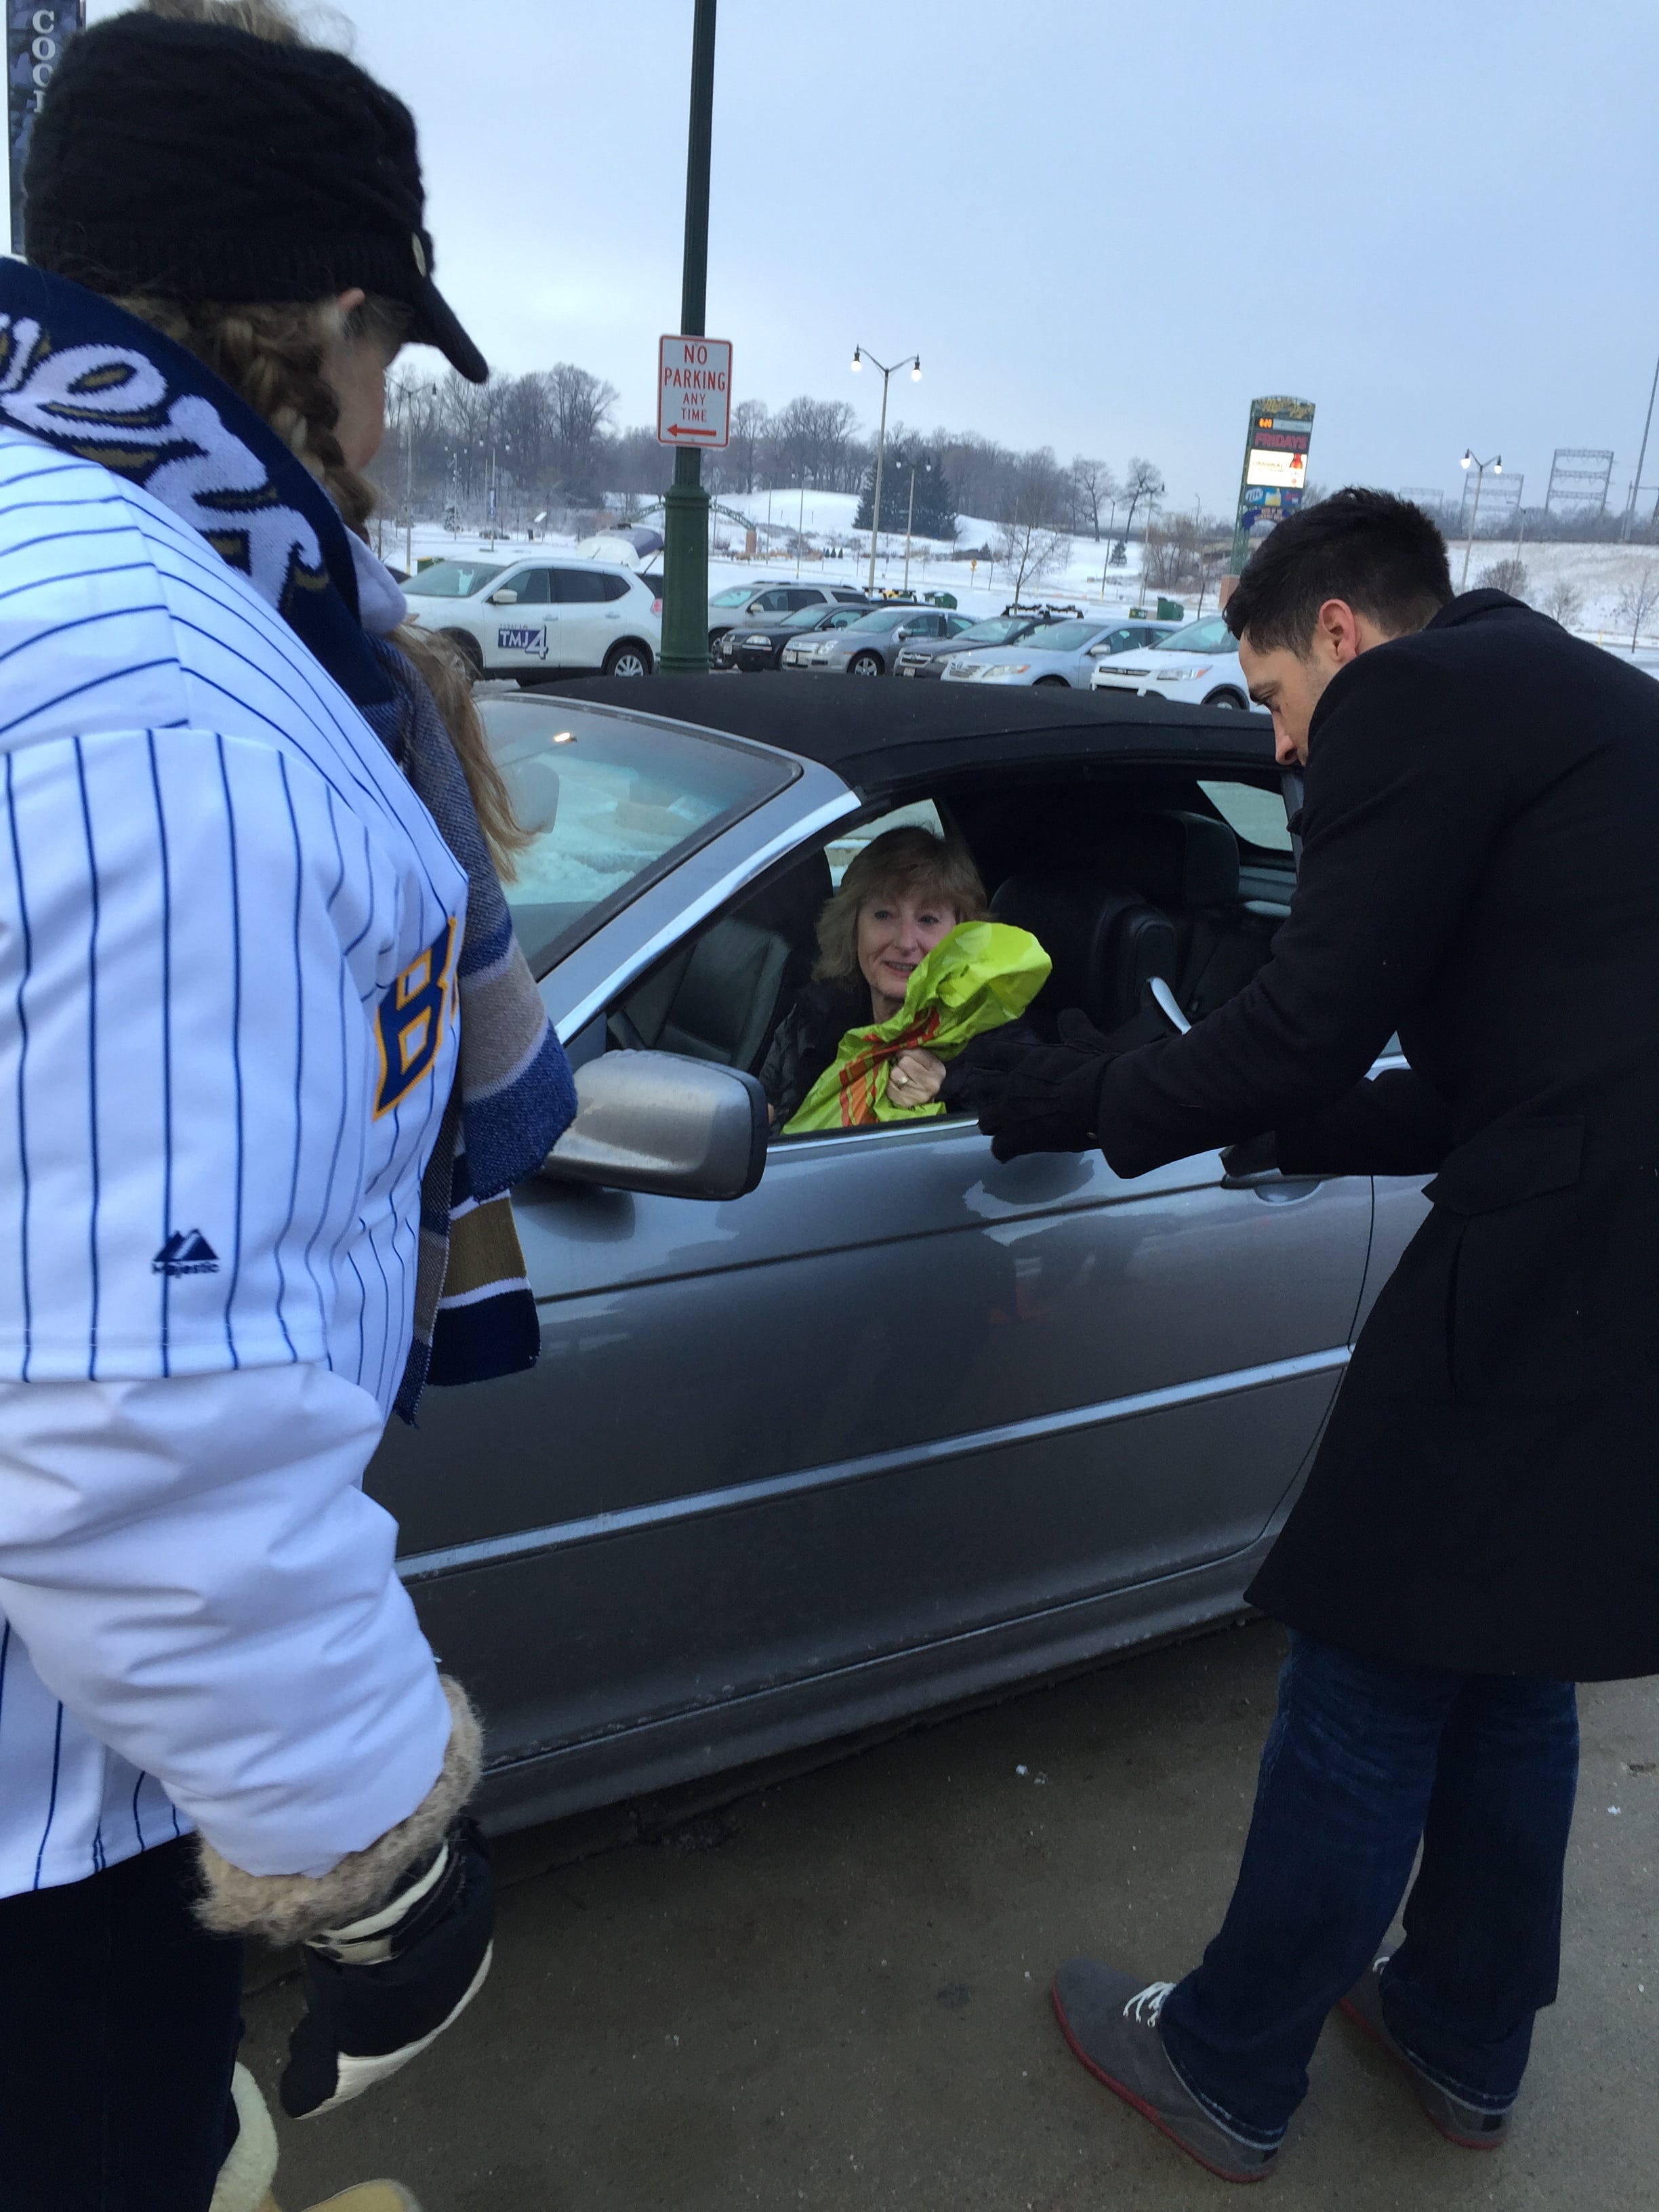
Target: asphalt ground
[[835, 1994]]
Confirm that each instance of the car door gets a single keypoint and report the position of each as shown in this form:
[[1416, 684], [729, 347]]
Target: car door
[[590, 617], [522, 634], [903, 1414]]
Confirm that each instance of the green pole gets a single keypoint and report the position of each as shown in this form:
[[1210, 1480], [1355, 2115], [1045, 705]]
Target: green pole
[[685, 524]]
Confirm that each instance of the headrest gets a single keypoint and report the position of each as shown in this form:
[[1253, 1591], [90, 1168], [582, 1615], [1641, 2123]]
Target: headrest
[[1176, 861], [1105, 942]]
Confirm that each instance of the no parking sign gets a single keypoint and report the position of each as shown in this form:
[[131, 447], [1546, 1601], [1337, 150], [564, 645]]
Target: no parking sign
[[694, 391]]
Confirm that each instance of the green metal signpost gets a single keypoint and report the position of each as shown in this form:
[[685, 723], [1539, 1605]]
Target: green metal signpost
[[685, 527]]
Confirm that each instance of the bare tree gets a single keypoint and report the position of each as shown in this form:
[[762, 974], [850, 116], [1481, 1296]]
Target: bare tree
[[1637, 602], [580, 404], [1508, 576], [740, 463], [1563, 602], [1093, 486], [1145, 482]]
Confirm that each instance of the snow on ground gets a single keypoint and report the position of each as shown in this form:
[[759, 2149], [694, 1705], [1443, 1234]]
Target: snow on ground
[[1602, 574]]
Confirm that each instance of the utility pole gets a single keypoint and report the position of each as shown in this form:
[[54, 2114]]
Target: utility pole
[[1636, 488], [686, 519], [887, 374], [910, 516]]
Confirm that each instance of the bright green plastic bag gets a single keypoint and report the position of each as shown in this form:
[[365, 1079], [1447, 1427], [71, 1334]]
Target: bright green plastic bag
[[982, 975]]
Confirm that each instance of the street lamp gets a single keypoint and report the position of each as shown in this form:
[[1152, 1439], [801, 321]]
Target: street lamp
[[881, 442], [1496, 464]]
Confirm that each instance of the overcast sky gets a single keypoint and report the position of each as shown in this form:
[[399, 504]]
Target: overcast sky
[[1438, 219]]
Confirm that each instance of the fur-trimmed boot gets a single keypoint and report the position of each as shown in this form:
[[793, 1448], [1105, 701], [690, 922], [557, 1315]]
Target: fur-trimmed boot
[[246, 2176], [245, 2179]]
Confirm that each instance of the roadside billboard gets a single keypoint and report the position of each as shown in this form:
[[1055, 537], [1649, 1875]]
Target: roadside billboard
[[34, 42], [1275, 472]]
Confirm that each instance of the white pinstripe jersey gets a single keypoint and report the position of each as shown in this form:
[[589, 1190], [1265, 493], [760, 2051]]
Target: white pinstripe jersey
[[228, 929]]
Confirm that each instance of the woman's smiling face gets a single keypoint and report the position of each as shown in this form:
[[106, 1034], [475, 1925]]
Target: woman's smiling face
[[895, 934]]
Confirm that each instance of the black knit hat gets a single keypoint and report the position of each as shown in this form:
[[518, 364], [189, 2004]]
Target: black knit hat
[[199, 162]]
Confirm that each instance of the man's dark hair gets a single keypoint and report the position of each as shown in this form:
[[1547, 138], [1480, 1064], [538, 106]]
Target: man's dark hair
[[1381, 553]]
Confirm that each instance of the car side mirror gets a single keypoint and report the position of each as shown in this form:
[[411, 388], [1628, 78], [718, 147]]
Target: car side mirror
[[900, 634], [503, 598], [660, 1121]]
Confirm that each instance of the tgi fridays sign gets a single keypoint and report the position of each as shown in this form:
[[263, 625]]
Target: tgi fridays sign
[[1275, 474], [36, 37], [694, 391]]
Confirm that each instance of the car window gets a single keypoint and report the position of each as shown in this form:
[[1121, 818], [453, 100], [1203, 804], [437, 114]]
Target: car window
[[614, 803], [920, 814], [1256, 817], [453, 580], [882, 619], [531, 585], [804, 595], [581, 588], [1212, 636], [807, 617], [843, 619], [734, 595], [1063, 636], [770, 603]]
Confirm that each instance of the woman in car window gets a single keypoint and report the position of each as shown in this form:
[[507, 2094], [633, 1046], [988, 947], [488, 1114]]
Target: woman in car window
[[900, 896]]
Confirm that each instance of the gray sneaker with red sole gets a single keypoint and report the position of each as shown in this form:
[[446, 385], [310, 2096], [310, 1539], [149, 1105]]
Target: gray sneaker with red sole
[[1110, 2020], [1466, 2126]]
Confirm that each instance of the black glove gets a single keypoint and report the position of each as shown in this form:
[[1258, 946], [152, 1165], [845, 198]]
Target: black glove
[[1043, 1099], [379, 1991], [1255, 1156]]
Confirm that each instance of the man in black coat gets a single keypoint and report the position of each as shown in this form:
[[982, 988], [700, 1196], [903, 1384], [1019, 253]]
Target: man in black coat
[[1481, 1529]]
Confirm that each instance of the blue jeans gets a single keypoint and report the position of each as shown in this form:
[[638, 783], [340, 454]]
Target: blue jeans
[[1366, 1758]]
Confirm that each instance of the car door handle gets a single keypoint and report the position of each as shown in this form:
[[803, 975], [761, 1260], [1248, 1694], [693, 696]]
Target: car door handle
[[1274, 1189]]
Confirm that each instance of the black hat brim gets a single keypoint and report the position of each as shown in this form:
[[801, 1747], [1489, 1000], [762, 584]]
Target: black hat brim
[[436, 324]]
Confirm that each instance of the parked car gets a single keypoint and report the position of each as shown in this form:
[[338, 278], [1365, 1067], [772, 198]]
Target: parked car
[[899, 1426], [728, 608], [1197, 665], [751, 647], [927, 656], [1131, 637], [540, 617], [871, 646], [1055, 653]]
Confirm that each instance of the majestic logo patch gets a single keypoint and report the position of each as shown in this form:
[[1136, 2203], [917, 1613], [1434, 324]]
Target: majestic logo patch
[[525, 638], [409, 1022], [186, 1252]]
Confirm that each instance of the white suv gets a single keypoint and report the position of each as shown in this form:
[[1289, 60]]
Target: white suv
[[541, 615]]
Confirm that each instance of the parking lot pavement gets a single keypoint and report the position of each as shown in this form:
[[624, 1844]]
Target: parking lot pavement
[[835, 1995]]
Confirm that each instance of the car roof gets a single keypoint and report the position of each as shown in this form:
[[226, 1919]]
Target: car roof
[[877, 735]]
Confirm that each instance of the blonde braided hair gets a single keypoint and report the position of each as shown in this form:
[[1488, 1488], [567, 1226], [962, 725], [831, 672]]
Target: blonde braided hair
[[274, 354]]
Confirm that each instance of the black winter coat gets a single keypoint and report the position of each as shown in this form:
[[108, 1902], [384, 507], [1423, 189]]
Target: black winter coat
[[809, 1036], [1480, 871]]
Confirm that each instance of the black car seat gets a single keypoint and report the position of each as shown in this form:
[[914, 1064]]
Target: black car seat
[[1188, 864], [1106, 942], [722, 997]]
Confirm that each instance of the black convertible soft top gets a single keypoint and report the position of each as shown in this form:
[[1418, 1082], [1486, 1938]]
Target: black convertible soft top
[[876, 732]]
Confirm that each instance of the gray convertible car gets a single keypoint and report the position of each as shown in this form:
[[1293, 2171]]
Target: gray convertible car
[[887, 1426]]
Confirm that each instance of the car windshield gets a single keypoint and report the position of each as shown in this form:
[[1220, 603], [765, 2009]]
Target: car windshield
[[1212, 636], [804, 617], [614, 803], [883, 618], [995, 629], [735, 595], [1063, 637], [453, 580]]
